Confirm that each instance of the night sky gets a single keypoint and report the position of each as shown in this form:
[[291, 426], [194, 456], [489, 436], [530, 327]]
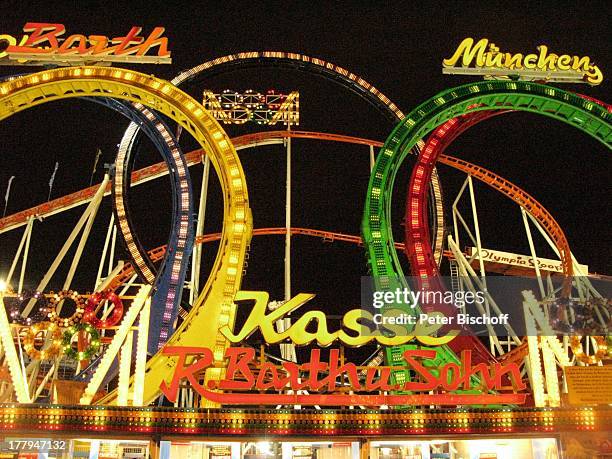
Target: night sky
[[398, 49]]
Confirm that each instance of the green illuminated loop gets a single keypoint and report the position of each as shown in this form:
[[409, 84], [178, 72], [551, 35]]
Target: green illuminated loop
[[587, 116], [377, 230]]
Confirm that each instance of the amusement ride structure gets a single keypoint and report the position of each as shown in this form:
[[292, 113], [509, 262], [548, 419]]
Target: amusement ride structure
[[111, 346]]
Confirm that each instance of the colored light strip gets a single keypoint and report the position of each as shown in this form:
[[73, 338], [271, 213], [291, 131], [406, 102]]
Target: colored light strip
[[278, 423], [171, 280]]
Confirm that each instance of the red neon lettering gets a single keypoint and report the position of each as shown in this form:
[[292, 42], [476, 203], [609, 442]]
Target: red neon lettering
[[41, 33], [239, 376], [98, 43], [181, 371], [430, 380], [66, 48], [334, 371], [44, 39], [238, 366], [268, 377], [293, 376], [514, 374], [154, 39], [313, 368], [131, 38], [383, 381]]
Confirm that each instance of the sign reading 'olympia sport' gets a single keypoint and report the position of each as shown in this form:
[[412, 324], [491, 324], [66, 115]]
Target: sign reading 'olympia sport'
[[485, 58], [42, 43]]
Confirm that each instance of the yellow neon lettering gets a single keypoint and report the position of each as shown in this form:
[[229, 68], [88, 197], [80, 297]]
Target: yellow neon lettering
[[581, 63], [494, 59], [475, 54], [564, 61], [514, 61], [594, 75], [546, 62], [529, 61], [468, 50], [356, 320]]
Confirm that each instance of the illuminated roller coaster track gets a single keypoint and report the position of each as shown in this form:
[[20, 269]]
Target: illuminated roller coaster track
[[377, 230], [247, 141], [294, 61], [417, 249], [252, 140], [217, 296], [157, 253], [170, 278], [169, 281], [272, 137]]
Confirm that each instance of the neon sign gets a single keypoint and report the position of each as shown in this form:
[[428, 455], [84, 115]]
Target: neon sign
[[355, 321], [320, 376], [41, 44], [231, 107], [485, 58]]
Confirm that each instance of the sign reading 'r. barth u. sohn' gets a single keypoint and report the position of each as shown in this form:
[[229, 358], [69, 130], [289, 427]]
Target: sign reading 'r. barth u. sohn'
[[485, 58], [246, 374]]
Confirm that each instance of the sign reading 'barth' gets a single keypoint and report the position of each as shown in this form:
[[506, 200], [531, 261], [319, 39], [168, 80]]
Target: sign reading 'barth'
[[43, 43]]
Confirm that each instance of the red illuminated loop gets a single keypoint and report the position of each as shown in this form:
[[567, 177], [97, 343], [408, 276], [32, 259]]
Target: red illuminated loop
[[93, 304]]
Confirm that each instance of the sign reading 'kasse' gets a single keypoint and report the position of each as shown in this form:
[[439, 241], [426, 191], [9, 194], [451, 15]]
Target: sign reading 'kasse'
[[485, 58], [46, 43]]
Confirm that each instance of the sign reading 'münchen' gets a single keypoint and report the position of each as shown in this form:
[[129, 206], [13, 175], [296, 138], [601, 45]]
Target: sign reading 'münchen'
[[485, 58], [42, 43]]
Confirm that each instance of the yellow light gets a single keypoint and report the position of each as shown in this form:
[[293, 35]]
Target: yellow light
[[20, 94]]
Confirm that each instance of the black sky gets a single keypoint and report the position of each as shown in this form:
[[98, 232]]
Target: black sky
[[397, 47]]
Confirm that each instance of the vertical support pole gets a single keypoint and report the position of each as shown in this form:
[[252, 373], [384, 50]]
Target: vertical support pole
[[77, 228], [111, 257], [477, 233], [456, 212], [535, 370], [15, 369], [288, 351], [550, 373], [372, 158], [141, 354], [109, 232], [90, 220], [24, 238], [26, 252], [125, 360], [196, 258], [288, 224], [533, 253], [113, 348]]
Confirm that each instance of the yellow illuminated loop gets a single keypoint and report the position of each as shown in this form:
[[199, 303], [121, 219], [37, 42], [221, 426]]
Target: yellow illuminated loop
[[214, 308]]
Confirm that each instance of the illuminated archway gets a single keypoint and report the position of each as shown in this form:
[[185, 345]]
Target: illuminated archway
[[214, 307]]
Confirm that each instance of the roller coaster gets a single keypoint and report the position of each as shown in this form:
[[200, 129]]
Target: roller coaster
[[137, 307]]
